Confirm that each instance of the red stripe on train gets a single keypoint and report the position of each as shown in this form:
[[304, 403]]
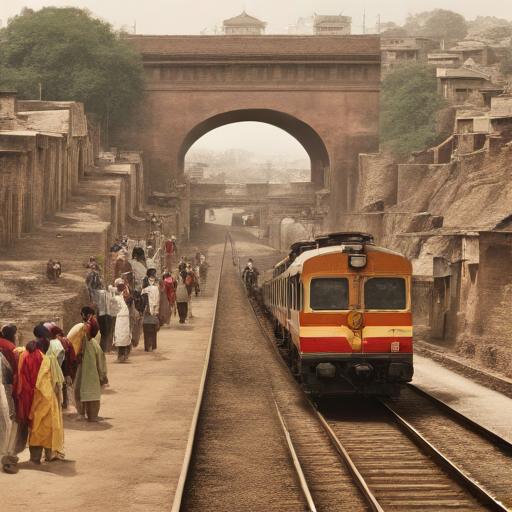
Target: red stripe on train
[[332, 345], [383, 345]]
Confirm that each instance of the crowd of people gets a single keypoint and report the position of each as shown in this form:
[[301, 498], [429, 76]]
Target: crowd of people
[[54, 372]]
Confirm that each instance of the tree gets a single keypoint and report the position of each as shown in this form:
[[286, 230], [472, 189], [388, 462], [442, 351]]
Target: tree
[[74, 57], [408, 107], [438, 24]]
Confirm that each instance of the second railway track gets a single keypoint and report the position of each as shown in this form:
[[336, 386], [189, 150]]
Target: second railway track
[[399, 467]]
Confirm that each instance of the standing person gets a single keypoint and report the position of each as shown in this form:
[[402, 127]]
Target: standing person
[[139, 265], [9, 333], [68, 365], [94, 283], [105, 320], [8, 427], [122, 265], [191, 282], [91, 374], [182, 300], [150, 322], [182, 266], [169, 287], [170, 251], [39, 391], [122, 333]]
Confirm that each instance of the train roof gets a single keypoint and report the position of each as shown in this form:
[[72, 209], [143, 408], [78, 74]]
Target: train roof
[[297, 266]]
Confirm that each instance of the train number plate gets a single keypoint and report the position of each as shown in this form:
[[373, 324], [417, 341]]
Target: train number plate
[[395, 346]]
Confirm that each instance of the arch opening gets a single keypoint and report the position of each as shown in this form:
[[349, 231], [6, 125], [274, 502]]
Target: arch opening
[[302, 132], [248, 152]]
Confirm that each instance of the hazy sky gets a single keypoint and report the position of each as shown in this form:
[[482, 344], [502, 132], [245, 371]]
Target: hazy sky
[[192, 16], [256, 137]]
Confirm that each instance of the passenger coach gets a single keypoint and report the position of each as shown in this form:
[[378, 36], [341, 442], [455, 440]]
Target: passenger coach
[[344, 307]]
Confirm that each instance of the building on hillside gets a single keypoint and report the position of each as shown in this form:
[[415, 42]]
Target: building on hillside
[[480, 53], [459, 84], [331, 25], [244, 25], [399, 52], [445, 60]]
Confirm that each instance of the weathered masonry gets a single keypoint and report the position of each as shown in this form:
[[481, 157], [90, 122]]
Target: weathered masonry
[[324, 91]]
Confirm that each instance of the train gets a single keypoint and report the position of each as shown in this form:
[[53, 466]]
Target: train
[[343, 308]]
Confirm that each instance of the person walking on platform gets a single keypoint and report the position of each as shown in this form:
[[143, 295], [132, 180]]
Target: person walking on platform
[[150, 321], [122, 333], [39, 392], [182, 299], [91, 375], [191, 283], [123, 266], [68, 365], [170, 252]]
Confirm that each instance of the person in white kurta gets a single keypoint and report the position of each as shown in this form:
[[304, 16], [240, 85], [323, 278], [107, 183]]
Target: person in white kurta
[[122, 333]]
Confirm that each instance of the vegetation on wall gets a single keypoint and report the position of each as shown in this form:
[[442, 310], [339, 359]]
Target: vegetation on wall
[[408, 107], [65, 54]]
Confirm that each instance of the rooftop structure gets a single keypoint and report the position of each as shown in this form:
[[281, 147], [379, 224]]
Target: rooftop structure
[[244, 25], [331, 25]]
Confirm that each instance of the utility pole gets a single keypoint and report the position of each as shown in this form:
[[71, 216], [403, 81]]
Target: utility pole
[[378, 23], [40, 91], [134, 27], [364, 18]]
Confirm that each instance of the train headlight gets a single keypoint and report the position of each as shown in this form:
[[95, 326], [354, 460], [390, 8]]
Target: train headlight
[[357, 260]]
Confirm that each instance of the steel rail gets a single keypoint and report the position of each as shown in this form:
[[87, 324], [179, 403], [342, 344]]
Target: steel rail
[[464, 420], [444, 463], [291, 448], [178, 496], [340, 450], [296, 462]]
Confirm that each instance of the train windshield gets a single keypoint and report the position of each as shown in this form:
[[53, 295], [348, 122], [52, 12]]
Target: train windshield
[[385, 293], [329, 293]]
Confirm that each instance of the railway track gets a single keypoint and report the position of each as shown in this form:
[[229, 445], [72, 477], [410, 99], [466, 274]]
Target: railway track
[[239, 459], [394, 465]]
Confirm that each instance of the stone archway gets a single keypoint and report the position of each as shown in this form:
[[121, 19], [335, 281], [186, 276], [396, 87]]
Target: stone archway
[[303, 133]]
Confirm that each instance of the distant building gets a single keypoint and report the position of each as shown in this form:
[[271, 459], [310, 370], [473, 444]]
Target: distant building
[[303, 27], [331, 25], [244, 25], [480, 53], [459, 84], [398, 52], [196, 171]]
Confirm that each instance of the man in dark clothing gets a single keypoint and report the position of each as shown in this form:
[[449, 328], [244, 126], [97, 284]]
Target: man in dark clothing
[[116, 247]]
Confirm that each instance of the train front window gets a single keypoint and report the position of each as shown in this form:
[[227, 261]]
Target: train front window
[[385, 293], [330, 293]]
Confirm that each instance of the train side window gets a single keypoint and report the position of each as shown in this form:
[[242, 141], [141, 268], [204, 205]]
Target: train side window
[[385, 293], [329, 293]]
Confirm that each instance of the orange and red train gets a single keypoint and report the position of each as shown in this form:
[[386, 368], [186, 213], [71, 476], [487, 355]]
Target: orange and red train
[[344, 307]]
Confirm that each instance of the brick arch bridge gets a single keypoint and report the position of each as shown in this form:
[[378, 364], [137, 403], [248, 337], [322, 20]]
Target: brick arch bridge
[[323, 90]]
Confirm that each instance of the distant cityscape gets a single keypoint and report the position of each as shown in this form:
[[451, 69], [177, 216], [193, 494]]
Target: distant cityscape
[[243, 166]]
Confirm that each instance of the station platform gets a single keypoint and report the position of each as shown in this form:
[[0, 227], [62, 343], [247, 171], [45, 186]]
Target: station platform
[[489, 408], [130, 461]]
